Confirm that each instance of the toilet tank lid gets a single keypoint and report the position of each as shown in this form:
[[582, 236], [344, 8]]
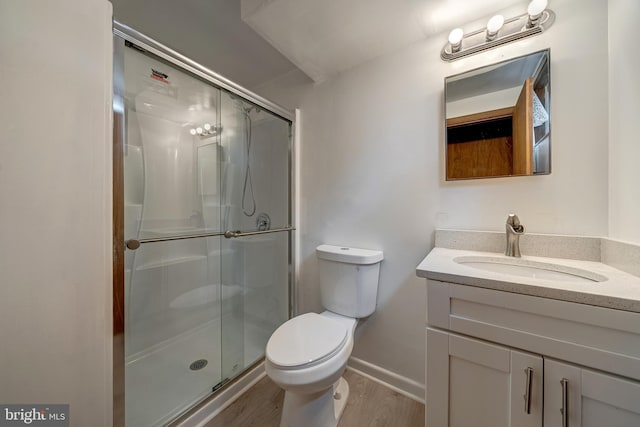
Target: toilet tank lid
[[349, 255]]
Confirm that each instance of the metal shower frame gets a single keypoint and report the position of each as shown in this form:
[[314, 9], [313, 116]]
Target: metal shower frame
[[122, 33]]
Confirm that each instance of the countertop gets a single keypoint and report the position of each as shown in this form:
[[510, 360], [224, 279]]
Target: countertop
[[621, 291]]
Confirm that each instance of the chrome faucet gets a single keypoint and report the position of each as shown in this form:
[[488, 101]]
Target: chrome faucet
[[514, 230]]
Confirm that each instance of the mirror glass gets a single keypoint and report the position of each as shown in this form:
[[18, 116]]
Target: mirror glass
[[498, 119]]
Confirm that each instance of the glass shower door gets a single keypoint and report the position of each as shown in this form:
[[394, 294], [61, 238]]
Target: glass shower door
[[256, 186], [173, 281], [207, 225]]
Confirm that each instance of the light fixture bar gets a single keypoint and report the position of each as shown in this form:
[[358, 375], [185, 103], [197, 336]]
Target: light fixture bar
[[207, 130], [512, 30]]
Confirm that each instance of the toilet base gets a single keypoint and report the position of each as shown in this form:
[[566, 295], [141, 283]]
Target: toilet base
[[322, 409]]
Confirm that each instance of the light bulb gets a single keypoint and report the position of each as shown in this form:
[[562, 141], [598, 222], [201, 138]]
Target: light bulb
[[455, 39], [199, 131], [207, 127], [455, 36], [493, 26], [192, 131], [536, 7], [495, 23]]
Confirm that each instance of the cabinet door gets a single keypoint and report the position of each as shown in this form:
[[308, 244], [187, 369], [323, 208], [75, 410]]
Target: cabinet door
[[475, 383], [590, 399], [523, 131]]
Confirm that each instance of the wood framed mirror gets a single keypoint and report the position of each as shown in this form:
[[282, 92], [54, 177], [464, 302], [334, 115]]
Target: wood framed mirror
[[498, 120]]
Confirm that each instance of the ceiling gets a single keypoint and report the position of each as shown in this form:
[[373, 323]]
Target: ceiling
[[325, 37], [209, 32], [254, 41]]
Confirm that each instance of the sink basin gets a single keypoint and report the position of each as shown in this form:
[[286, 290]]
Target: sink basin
[[531, 269]]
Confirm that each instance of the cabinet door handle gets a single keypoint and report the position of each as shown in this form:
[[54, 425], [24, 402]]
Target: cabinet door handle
[[527, 390], [565, 402]]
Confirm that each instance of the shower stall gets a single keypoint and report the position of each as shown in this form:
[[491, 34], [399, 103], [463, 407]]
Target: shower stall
[[203, 235]]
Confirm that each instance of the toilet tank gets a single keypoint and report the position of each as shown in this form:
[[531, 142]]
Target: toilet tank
[[349, 279]]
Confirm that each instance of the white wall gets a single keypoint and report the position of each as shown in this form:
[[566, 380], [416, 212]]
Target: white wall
[[624, 110], [485, 102], [55, 214], [372, 168]]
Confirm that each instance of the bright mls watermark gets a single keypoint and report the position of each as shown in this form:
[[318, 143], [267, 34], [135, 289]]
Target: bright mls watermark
[[34, 415]]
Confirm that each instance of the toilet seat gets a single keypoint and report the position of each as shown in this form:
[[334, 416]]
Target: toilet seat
[[305, 341]]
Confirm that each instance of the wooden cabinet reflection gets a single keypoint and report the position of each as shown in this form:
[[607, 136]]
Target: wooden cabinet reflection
[[493, 143]]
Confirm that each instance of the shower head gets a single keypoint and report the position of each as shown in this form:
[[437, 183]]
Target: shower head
[[247, 110], [243, 105]]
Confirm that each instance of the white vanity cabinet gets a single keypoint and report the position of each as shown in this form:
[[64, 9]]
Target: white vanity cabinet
[[498, 358], [475, 383], [593, 399]]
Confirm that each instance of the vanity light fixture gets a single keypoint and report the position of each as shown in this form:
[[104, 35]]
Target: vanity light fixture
[[499, 31], [206, 130]]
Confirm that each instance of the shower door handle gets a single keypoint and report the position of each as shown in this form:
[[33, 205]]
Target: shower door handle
[[232, 234], [134, 244]]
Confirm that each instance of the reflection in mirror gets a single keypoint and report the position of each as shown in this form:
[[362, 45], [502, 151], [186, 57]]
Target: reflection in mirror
[[498, 119]]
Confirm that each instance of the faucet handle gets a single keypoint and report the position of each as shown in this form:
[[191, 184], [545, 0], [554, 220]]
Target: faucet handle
[[514, 222]]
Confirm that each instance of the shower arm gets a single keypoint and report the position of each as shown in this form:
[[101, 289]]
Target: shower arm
[[134, 244]]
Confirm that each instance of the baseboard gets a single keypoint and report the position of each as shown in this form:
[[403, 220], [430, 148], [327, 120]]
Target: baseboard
[[403, 385], [225, 397]]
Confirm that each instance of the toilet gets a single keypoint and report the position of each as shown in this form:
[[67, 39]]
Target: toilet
[[307, 355]]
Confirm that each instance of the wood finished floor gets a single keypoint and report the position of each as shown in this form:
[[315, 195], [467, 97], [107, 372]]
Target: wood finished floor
[[370, 404]]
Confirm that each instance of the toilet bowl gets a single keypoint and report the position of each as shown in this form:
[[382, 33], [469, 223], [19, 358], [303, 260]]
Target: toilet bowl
[[307, 355]]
